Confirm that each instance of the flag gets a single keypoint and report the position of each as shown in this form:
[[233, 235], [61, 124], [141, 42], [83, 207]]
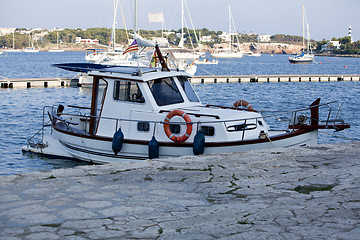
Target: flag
[[132, 48], [154, 60], [156, 17]]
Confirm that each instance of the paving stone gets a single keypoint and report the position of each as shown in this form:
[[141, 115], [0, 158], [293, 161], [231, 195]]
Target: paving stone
[[250, 195]]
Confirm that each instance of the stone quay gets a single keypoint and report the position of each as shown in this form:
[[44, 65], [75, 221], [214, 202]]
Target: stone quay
[[308, 192]]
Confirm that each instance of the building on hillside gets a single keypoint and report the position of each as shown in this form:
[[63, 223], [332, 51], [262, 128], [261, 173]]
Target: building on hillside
[[206, 39], [225, 37], [168, 33], [6, 31], [40, 35], [331, 45], [265, 38], [80, 40]]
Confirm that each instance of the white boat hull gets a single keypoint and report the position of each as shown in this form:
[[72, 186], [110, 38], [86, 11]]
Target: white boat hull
[[13, 50], [227, 55], [99, 149]]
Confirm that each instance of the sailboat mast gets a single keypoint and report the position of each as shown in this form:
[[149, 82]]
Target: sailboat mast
[[57, 39], [182, 22], [13, 39], [303, 32], [113, 33], [135, 19], [230, 27]]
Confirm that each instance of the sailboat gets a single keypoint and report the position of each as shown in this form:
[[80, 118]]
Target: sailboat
[[57, 44], [229, 53], [31, 48], [13, 48], [257, 52], [184, 58], [304, 56]]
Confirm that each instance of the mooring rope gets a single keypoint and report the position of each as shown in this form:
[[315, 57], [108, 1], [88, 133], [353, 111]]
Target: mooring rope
[[206, 71]]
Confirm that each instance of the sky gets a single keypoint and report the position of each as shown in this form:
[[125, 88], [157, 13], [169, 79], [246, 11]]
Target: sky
[[326, 18]]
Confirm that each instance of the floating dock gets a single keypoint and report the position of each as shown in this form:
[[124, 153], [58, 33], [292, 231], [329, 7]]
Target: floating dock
[[66, 82], [38, 82], [273, 78]]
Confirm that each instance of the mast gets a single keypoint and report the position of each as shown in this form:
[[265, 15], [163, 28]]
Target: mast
[[113, 33], [135, 19], [182, 24], [14, 40], [303, 32], [230, 27], [57, 39]]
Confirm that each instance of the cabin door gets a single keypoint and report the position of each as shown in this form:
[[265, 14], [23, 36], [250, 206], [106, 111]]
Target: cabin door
[[97, 100]]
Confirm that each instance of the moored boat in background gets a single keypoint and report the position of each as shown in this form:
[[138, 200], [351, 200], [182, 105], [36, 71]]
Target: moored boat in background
[[305, 56]]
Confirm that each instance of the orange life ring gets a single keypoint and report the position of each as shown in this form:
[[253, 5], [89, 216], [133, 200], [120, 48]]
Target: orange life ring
[[243, 103], [172, 136]]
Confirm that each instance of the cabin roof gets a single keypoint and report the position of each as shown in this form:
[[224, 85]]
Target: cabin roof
[[145, 75], [113, 71]]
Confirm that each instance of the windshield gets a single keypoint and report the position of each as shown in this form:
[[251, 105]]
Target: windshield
[[189, 91], [165, 91]]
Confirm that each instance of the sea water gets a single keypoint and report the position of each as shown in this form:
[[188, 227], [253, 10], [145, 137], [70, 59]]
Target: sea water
[[21, 108]]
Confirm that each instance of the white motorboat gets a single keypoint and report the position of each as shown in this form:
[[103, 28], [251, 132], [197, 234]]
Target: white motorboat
[[93, 54], [141, 113], [206, 61]]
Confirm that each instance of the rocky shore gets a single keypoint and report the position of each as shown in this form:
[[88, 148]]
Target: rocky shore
[[294, 193]]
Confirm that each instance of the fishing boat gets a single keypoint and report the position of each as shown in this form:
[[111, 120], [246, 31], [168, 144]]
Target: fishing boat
[[145, 113], [306, 55]]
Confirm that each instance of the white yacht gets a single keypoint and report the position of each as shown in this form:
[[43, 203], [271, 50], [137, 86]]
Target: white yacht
[[141, 113]]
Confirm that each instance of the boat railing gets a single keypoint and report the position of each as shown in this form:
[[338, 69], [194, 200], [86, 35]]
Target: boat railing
[[293, 113], [296, 118], [30, 141]]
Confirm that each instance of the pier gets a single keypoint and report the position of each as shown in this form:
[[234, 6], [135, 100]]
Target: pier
[[273, 78], [66, 82], [294, 193], [37, 82]]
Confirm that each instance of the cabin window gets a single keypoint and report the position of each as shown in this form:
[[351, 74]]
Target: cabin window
[[189, 91], [128, 91], [165, 91], [241, 127], [208, 130], [143, 126]]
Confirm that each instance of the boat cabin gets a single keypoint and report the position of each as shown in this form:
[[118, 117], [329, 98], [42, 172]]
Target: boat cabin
[[138, 101]]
